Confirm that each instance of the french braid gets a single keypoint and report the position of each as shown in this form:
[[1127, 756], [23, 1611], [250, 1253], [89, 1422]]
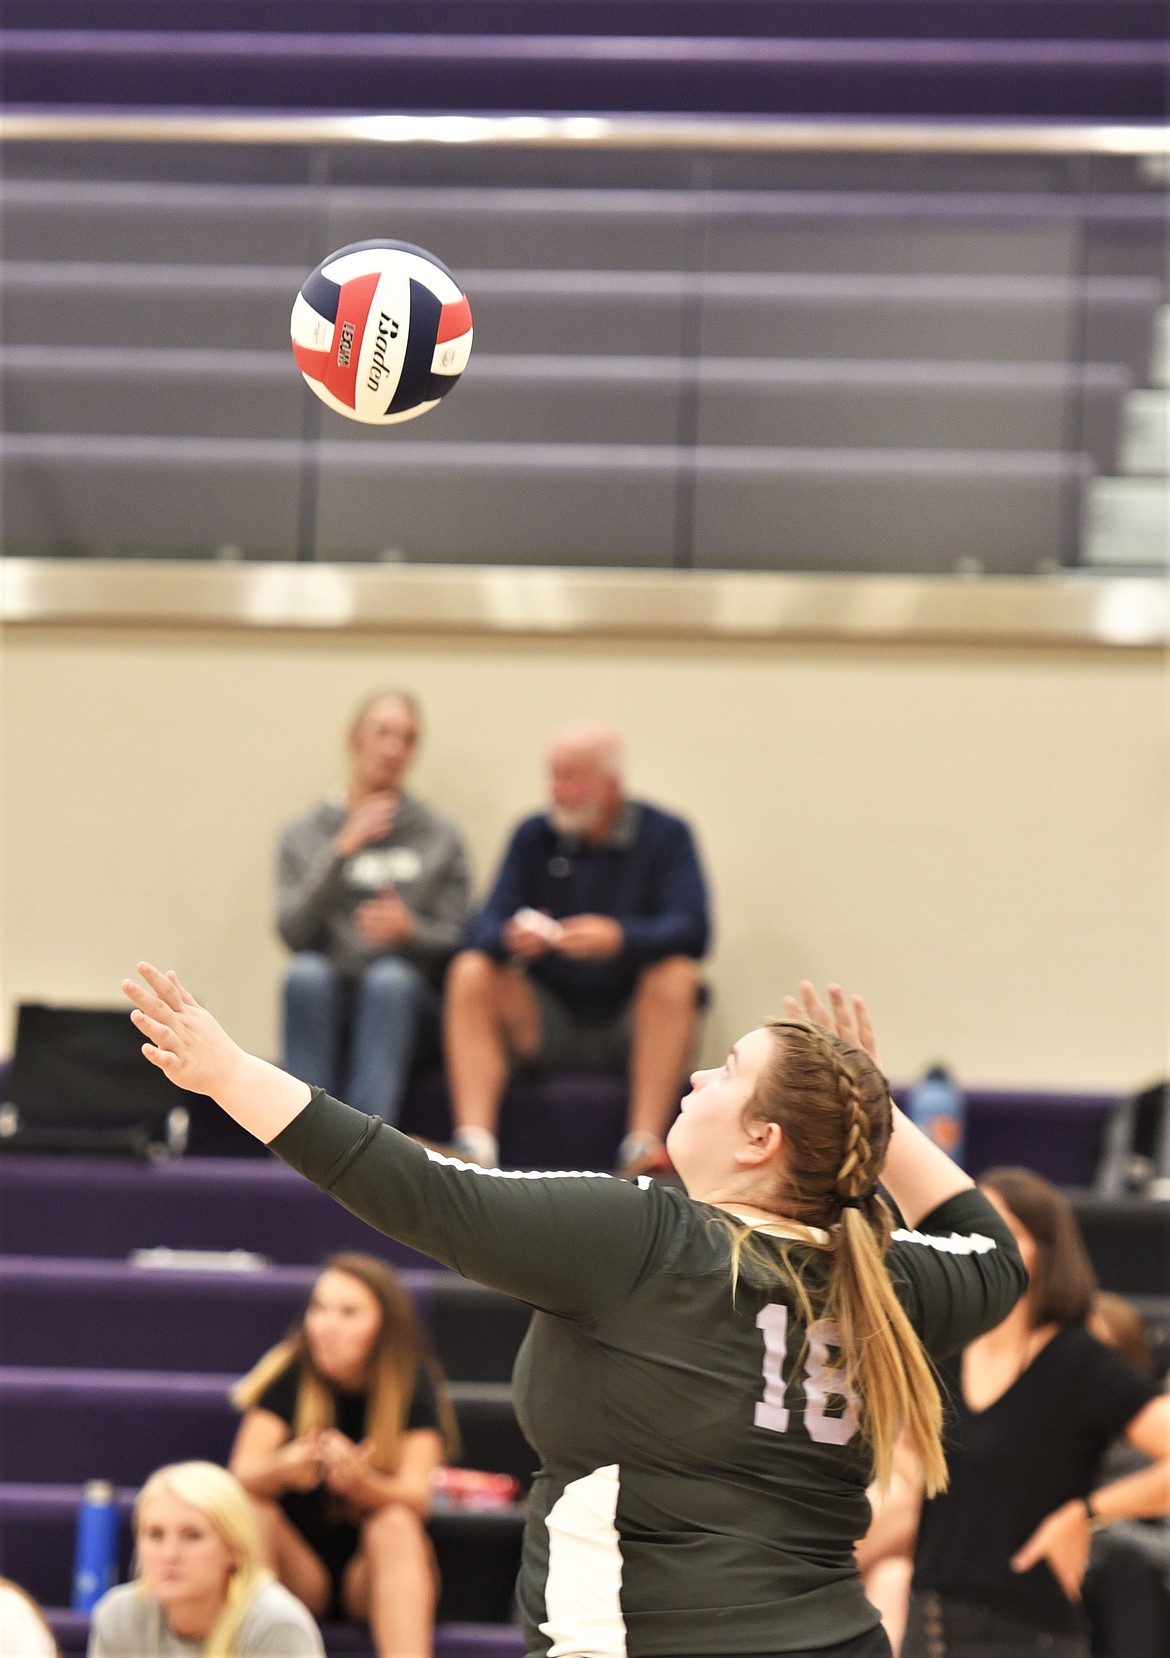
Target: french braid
[[833, 1107]]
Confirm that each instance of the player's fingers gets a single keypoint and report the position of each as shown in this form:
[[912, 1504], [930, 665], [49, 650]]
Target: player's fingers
[[161, 1035], [162, 1057], [843, 1022], [793, 1009], [814, 1008], [134, 992], [866, 1035], [161, 985], [188, 999]]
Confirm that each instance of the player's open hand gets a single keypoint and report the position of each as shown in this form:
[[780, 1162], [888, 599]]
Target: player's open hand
[[846, 1016], [182, 1038]]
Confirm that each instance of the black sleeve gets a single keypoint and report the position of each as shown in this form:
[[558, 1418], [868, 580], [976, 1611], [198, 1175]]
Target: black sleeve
[[574, 1244], [1113, 1391], [958, 1273], [280, 1396], [424, 1407]]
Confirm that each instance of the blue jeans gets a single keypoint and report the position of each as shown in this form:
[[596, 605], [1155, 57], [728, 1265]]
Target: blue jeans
[[357, 1039]]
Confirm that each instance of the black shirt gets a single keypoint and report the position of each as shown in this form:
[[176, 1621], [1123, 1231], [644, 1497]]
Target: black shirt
[[280, 1397], [1036, 1447]]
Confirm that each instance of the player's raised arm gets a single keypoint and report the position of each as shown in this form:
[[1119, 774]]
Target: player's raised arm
[[569, 1243]]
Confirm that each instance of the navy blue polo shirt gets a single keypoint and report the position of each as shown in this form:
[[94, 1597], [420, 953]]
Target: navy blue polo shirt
[[646, 875]]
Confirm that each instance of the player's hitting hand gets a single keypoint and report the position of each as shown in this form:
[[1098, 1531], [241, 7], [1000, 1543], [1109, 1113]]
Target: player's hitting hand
[[182, 1038], [846, 1016]]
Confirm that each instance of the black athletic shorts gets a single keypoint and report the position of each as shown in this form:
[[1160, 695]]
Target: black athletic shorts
[[333, 1541], [873, 1644]]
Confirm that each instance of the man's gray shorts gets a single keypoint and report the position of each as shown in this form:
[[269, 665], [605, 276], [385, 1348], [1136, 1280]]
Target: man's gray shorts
[[571, 1044]]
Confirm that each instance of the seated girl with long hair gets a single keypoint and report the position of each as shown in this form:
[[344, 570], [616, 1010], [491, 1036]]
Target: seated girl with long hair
[[345, 1423]]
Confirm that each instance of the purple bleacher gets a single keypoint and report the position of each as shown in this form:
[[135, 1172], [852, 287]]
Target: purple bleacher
[[37, 1530], [98, 1312], [64, 1425], [455, 1641], [376, 73], [1058, 1135], [58, 1310], [835, 19], [75, 1206]]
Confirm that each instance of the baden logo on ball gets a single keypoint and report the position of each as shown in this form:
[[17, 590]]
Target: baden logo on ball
[[381, 331]]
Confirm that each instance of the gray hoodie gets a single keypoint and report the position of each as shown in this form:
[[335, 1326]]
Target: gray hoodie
[[423, 858]]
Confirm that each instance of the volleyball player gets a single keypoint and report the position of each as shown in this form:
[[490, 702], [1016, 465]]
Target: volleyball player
[[712, 1376]]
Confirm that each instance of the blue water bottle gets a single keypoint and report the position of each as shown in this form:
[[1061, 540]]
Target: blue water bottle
[[940, 1111], [95, 1555]]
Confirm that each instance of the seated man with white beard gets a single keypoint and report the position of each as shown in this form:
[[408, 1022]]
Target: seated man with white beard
[[584, 956]]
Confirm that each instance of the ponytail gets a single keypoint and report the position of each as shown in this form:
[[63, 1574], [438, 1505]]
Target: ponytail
[[834, 1109], [887, 1363]]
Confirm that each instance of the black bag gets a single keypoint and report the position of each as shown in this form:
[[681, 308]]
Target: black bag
[[79, 1083]]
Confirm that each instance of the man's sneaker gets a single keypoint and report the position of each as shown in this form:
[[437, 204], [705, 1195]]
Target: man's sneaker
[[476, 1145], [467, 1145]]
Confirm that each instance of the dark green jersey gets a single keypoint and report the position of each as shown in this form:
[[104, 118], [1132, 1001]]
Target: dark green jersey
[[702, 1478]]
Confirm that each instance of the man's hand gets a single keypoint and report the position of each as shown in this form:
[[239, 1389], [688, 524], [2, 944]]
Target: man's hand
[[590, 937], [183, 1039], [384, 919], [849, 1018], [369, 821], [1063, 1541], [530, 934]]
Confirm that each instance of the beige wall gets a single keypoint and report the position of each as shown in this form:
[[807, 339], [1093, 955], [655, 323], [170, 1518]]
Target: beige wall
[[975, 837]]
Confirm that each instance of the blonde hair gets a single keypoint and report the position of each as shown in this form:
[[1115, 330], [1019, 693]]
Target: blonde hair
[[221, 1497], [833, 1107], [397, 1355]]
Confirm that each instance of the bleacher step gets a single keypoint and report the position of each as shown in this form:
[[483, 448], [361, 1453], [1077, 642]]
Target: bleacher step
[[478, 1552], [1145, 433], [61, 1311], [1128, 523]]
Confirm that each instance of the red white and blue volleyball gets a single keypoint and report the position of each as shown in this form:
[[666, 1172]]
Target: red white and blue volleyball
[[381, 331]]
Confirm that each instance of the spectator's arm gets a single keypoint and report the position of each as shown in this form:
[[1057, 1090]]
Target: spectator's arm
[[486, 930], [681, 925], [438, 931], [306, 883]]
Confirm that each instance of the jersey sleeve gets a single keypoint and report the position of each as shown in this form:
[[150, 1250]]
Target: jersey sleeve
[[573, 1244], [958, 1273]]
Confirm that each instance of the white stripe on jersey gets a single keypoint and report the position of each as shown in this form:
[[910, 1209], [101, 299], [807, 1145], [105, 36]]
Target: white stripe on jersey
[[516, 1174], [970, 1243], [583, 1590]]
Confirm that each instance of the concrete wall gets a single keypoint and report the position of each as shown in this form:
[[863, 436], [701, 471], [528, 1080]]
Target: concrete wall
[[976, 837]]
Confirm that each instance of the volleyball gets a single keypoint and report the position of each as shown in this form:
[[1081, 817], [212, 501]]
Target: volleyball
[[381, 331]]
